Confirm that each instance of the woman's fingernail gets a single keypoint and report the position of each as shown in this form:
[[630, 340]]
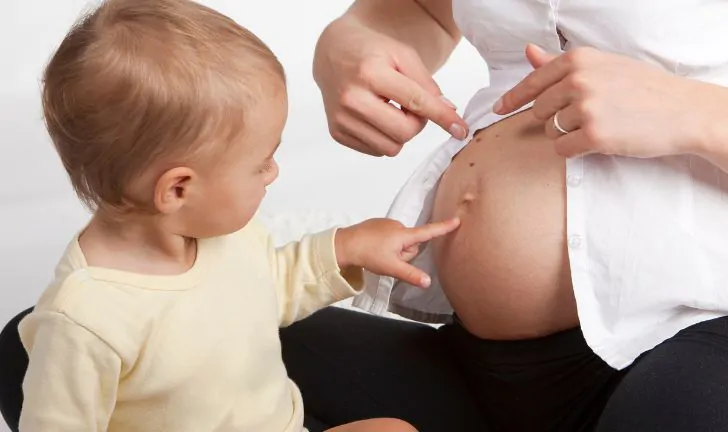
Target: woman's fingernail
[[457, 131], [448, 102], [426, 281], [498, 106]]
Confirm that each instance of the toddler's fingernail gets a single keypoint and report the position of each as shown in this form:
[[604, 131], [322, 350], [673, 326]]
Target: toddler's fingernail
[[498, 106], [448, 102], [426, 281], [457, 131]]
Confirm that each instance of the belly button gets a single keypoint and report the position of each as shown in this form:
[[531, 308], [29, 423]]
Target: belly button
[[464, 205]]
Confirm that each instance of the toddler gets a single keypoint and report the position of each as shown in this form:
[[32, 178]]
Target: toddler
[[164, 311]]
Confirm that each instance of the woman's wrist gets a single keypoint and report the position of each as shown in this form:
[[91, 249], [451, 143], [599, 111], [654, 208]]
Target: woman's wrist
[[709, 124], [420, 31]]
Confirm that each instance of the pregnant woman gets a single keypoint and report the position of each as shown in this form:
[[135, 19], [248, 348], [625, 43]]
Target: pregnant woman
[[587, 287]]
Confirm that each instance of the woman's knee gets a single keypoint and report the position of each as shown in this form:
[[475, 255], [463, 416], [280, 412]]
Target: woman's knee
[[680, 385]]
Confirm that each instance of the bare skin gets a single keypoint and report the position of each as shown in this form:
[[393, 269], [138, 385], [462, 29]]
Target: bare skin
[[505, 270], [383, 50]]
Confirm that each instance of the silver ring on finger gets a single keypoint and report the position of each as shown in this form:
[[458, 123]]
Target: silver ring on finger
[[558, 126]]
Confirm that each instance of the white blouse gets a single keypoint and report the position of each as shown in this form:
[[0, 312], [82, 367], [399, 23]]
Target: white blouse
[[647, 238]]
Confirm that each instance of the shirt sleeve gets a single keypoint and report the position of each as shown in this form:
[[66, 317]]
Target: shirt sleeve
[[72, 377], [308, 277]]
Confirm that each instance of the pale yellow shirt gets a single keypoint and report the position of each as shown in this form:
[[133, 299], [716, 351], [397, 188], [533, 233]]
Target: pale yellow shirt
[[111, 350]]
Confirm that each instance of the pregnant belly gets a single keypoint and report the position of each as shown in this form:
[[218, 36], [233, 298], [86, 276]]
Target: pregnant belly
[[505, 271]]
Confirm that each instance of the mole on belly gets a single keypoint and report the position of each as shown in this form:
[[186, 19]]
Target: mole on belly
[[472, 164]]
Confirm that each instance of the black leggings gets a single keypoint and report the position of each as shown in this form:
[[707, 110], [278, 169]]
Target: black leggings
[[352, 366]]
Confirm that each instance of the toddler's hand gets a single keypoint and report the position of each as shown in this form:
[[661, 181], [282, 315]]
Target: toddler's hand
[[385, 246]]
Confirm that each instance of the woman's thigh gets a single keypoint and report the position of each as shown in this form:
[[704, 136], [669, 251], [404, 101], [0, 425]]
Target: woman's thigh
[[681, 385], [352, 366]]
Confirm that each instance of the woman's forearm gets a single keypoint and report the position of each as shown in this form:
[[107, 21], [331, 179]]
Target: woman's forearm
[[425, 25]]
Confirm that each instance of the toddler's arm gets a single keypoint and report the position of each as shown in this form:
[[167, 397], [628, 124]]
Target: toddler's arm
[[321, 269], [308, 277], [72, 377]]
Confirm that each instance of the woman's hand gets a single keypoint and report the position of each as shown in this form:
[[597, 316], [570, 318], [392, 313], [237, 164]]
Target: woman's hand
[[609, 104], [359, 71], [385, 246]]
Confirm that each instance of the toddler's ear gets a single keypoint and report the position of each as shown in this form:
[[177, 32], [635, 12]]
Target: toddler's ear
[[173, 188]]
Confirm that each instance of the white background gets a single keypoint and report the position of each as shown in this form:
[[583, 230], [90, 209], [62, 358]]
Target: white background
[[38, 211]]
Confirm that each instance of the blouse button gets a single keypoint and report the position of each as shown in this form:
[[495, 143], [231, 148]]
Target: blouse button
[[574, 241], [573, 180]]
